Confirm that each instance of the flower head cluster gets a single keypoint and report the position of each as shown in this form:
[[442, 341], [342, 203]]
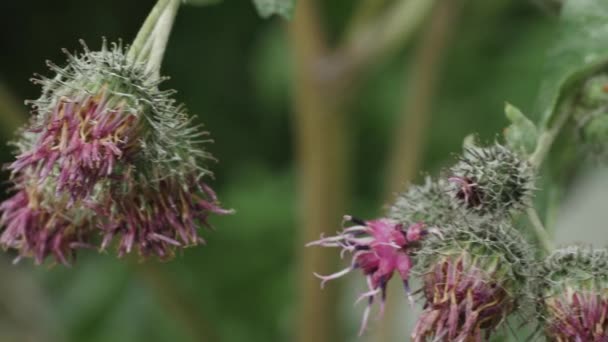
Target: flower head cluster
[[492, 181], [473, 278], [379, 248], [573, 298], [106, 154]]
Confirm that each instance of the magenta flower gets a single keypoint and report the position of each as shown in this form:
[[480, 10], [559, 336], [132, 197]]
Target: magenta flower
[[474, 275], [379, 248], [37, 231], [156, 220], [79, 143]]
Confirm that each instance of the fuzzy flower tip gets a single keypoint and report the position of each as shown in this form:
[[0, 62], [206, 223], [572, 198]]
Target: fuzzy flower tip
[[574, 297], [79, 143], [379, 248], [472, 281], [107, 157]]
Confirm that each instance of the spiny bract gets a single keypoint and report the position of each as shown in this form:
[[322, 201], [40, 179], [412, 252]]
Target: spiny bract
[[492, 181]]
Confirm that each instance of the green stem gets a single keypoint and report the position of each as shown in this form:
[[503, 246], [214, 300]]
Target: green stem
[[136, 51], [382, 35], [543, 146], [161, 36], [151, 41], [547, 138], [539, 230]]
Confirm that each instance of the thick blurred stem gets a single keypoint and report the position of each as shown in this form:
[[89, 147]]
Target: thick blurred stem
[[321, 149], [411, 129], [363, 13], [380, 36]]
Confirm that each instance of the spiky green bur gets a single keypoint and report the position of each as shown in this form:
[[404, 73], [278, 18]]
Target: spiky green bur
[[573, 294], [492, 181], [169, 143], [429, 203], [591, 114], [107, 149], [475, 275]]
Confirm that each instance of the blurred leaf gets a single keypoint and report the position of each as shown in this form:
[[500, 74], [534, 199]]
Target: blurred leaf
[[579, 51], [201, 2], [266, 8], [522, 134]]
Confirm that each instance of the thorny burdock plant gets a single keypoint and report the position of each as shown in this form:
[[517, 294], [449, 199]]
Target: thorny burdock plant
[[109, 158]]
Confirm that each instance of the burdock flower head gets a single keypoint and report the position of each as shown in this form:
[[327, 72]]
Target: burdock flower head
[[574, 295], [492, 181], [107, 149], [474, 276], [379, 248], [429, 203]]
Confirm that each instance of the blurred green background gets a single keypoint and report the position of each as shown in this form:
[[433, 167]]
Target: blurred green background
[[236, 72]]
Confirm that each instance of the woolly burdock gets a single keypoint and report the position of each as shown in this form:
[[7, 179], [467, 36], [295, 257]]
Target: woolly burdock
[[573, 297], [474, 277], [492, 181], [104, 139]]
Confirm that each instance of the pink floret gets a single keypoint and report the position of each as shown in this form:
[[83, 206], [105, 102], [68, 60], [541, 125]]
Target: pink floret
[[379, 248]]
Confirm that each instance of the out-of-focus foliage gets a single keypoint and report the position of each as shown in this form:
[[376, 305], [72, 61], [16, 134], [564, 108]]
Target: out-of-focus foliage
[[284, 8], [202, 2], [579, 51], [233, 69]]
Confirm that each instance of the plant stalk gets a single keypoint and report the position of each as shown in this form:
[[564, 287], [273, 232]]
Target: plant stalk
[[151, 41], [539, 230]]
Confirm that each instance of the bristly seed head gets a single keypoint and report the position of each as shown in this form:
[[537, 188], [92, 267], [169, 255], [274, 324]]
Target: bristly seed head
[[107, 154], [474, 277], [379, 248], [492, 181], [573, 294]]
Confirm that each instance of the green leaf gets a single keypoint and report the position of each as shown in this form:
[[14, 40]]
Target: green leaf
[[267, 8], [522, 134], [580, 50], [201, 2]]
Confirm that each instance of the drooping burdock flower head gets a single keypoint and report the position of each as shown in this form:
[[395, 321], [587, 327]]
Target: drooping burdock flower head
[[378, 248], [106, 143], [430, 203], [474, 276], [492, 181], [573, 297]]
